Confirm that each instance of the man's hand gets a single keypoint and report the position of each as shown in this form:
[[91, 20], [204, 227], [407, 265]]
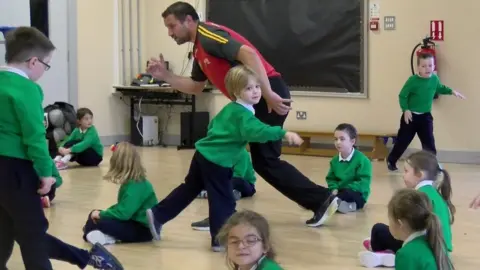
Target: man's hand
[[157, 68], [276, 103], [293, 138], [46, 184]]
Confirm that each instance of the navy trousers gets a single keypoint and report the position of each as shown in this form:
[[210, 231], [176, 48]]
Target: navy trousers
[[202, 175], [22, 220], [86, 158], [247, 189], [350, 196], [381, 239], [126, 231], [422, 125]]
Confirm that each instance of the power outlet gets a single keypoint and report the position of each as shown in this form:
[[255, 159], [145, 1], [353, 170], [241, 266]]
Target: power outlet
[[301, 115]]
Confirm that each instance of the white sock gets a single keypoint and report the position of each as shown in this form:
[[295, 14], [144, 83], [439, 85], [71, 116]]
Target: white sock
[[66, 158], [57, 158]]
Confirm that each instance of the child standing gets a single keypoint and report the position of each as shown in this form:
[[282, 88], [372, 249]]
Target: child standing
[[416, 98], [25, 164], [83, 145], [125, 221], [211, 167], [413, 222], [246, 235], [243, 183], [350, 173], [421, 170]]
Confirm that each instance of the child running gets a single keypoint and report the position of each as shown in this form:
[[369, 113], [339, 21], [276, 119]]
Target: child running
[[421, 171], [246, 236], [211, 167], [125, 221], [25, 164], [350, 173], [416, 98], [83, 145], [243, 183], [413, 221]]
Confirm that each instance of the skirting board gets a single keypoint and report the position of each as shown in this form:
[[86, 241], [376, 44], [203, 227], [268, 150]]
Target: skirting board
[[462, 157]]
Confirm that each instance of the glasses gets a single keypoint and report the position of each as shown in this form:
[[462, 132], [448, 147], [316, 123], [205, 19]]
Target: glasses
[[47, 66], [248, 241]]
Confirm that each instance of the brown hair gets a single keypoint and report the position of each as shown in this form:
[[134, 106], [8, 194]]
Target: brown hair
[[424, 161], [181, 10], [81, 112], [23, 43], [237, 79], [125, 165], [414, 209], [350, 130], [249, 218], [422, 56]]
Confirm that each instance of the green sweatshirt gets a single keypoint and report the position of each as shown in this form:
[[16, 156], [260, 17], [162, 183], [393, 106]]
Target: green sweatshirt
[[230, 131], [268, 264], [89, 139], [133, 200], [417, 94], [56, 174], [415, 255], [22, 134], [355, 174], [440, 208], [244, 168]]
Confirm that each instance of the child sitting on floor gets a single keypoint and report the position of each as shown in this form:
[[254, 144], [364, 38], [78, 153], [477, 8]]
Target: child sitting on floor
[[350, 173], [126, 220], [83, 145]]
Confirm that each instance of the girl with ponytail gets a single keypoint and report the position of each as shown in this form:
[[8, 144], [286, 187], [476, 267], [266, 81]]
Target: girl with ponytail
[[420, 173], [412, 221]]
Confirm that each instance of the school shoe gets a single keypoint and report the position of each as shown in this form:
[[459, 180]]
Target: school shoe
[[204, 195], [391, 166], [154, 225], [371, 259], [203, 225], [328, 209], [99, 237], [45, 202], [100, 258]]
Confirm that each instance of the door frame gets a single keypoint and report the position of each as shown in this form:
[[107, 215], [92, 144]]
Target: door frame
[[72, 57]]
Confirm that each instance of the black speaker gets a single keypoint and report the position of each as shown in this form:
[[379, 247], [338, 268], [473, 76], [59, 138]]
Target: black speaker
[[193, 127]]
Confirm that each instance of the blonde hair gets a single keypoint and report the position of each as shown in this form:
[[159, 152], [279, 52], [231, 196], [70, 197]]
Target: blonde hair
[[237, 79], [254, 220], [125, 165]]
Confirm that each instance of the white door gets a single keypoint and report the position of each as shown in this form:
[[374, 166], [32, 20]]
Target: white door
[[55, 80]]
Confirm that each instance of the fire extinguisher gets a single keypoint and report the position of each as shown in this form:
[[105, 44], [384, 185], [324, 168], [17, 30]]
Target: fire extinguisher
[[426, 46]]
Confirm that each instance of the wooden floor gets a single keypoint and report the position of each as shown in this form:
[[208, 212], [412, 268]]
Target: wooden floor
[[333, 246]]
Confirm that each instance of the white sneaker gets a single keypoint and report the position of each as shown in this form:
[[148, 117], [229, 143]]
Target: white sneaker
[[97, 236], [376, 259]]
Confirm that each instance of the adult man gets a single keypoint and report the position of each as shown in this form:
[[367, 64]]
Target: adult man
[[216, 50]]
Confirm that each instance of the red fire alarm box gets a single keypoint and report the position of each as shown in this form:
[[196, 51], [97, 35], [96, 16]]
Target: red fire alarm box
[[374, 25]]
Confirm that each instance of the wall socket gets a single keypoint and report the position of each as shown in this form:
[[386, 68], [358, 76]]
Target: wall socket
[[389, 22], [301, 115]]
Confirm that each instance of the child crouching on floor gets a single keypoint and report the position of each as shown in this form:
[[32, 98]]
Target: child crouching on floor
[[350, 173], [126, 220], [246, 236], [83, 145]]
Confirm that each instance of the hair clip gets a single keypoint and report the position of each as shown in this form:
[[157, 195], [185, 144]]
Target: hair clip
[[113, 147]]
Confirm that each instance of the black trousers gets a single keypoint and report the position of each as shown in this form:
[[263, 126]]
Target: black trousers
[[126, 231], [22, 220], [86, 158], [422, 125], [381, 239], [350, 196], [247, 189], [202, 175], [279, 173]]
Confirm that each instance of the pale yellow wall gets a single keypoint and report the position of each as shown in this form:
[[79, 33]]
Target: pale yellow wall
[[389, 66]]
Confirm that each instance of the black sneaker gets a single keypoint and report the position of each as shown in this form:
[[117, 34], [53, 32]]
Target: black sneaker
[[155, 227], [328, 209], [392, 166], [101, 258], [203, 225]]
